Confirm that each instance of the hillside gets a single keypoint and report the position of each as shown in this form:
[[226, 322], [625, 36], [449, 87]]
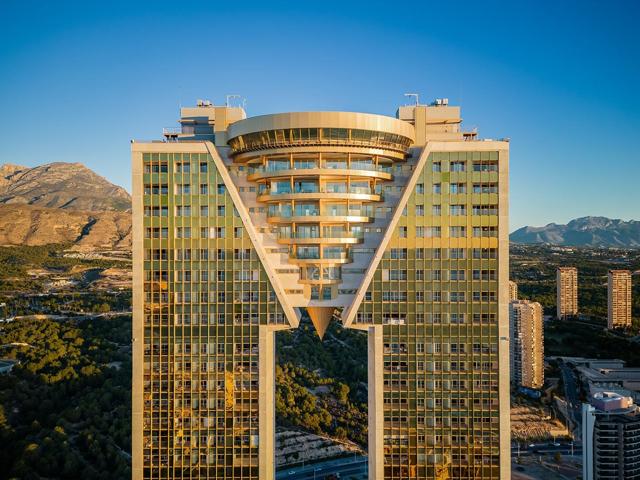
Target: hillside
[[88, 231], [583, 232], [69, 186], [63, 203]]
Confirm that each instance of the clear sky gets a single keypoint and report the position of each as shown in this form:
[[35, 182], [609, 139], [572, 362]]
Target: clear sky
[[561, 79]]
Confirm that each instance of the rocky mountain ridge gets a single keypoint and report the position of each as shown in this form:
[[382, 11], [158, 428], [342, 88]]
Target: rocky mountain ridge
[[63, 203], [70, 186], [583, 232]]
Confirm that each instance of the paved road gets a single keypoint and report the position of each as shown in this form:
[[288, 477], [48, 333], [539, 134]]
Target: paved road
[[346, 467], [571, 394]]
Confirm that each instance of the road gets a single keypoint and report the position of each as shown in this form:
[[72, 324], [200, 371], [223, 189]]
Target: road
[[571, 394], [347, 467]]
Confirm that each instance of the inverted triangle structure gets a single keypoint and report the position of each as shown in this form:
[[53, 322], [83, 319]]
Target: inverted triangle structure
[[349, 313], [292, 317]]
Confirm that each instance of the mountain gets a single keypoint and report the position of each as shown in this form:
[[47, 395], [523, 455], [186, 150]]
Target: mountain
[[63, 203], [583, 232], [70, 186]]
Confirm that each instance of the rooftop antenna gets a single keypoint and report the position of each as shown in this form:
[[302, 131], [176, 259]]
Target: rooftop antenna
[[414, 95], [229, 97]]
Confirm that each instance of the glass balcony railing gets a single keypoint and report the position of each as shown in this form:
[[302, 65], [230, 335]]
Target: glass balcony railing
[[288, 191], [271, 168]]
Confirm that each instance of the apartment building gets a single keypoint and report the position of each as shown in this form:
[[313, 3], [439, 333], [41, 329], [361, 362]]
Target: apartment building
[[567, 292], [527, 344], [394, 226], [619, 299]]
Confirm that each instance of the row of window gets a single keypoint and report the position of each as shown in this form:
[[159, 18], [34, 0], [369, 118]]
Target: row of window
[[401, 348], [437, 253], [454, 232], [437, 275], [461, 166], [181, 189], [458, 187], [436, 318]]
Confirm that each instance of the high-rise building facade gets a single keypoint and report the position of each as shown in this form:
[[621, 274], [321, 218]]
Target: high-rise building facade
[[527, 344], [394, 226], [567, 292], [619, 298], [610, 438], [513, 291]]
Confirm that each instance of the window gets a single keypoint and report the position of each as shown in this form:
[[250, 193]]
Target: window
[[220, 254], [156, 211], [419, 232], [419, 296], [436, 167], [433, 232], [420, 188], [221, 210], [398, 253], [204, 189], [436, 275], [485, 210], [397, 274], [457, 210], [183, 232], [420, 210], [437, 188], [457, 232], [402, 232], [220, 232], [485, 231], [485, 188], [457, 297], [419, 274], [183, 167], [204, 210], [436, 210], [457, 188], [456, 253], [183, 210], [204, 167], [238, 232], [457, 166], [221, 189], [485, 166], [485, 253], [183, 189], [419, 347], [457, 275]]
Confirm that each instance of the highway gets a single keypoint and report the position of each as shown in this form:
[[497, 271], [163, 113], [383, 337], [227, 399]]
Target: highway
[[353, 466]]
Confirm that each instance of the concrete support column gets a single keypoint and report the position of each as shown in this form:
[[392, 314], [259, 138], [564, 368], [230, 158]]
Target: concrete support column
[[376, 403], [266, 403]]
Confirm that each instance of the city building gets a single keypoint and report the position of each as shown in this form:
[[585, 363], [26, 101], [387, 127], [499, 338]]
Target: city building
[[619, 299], [610, 438], [394, 226], [567, 292], [513, 291], [527, 344]]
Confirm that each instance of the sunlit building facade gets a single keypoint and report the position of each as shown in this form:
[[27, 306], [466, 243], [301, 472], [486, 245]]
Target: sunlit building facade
[[567, 292], [513, 290], [619, 299], [527, 344], [394, 226]]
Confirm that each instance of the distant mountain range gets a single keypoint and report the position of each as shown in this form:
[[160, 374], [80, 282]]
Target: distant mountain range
[[63, 203], [583, 232]]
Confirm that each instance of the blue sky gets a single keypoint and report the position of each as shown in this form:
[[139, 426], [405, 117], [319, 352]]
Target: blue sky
[[78, 80]]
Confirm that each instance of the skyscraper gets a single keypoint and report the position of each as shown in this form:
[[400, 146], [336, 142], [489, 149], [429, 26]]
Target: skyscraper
[[567, 294], [527, 344], [619, 298], [610, 438], [394, 226], [513, 290]]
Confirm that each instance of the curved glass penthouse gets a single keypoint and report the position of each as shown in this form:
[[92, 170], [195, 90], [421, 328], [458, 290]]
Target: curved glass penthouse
[[395, 226]]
